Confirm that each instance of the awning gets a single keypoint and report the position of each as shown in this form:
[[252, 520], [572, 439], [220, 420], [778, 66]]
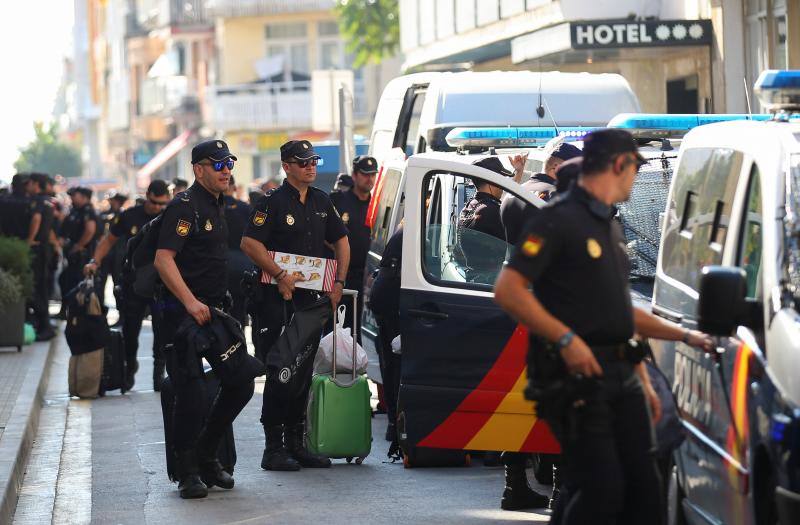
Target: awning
[[159, 159]]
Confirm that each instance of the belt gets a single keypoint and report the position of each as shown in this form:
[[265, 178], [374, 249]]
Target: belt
[[618, 352]]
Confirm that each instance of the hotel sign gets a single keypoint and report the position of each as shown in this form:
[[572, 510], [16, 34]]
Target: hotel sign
[[645, 33]]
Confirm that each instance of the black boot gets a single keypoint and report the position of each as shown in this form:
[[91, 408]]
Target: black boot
[[211, 471], [276, 457], [518, 495], [130, 374], [296, 443], [158, 374], [190, 485]]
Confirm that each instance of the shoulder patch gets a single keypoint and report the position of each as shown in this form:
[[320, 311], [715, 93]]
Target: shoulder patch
[[532, 245], [259, 218], [183, 227]]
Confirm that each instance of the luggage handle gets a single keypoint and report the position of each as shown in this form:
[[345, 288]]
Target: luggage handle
[[354, 293]]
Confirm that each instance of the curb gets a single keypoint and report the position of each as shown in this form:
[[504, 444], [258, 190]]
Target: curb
[[20, 431]]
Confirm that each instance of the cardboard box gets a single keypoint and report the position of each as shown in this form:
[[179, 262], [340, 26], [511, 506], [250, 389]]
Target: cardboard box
[[319, 273]]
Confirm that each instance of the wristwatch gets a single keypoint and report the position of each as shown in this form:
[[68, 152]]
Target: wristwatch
[[339, 281], [565, 340]]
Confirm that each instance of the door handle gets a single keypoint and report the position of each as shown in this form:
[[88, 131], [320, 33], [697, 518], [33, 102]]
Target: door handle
[[414, 312], [668, 315]]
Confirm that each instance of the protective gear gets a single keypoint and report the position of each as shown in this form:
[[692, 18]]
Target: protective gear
[[276, 457], [295, 444], [518, 494], [190, 484]]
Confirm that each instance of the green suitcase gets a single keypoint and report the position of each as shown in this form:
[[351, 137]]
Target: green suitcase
[[339, 418]]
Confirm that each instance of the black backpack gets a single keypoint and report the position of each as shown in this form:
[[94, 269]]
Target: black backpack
[[138, 268]]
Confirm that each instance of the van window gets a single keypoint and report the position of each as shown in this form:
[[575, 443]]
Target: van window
[[382, 229], [698, 212], [750, 247], [408, 121], [455, 256]]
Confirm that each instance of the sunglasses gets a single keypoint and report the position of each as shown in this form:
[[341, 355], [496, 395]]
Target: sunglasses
[[157, 203], [304, 163], [219, 164]]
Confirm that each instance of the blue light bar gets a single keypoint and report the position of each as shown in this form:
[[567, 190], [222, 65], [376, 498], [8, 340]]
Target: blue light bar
[[673, 126], [511, 137], [779, 90]]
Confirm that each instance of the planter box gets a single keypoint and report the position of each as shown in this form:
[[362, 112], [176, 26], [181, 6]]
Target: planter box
[[12, 326]]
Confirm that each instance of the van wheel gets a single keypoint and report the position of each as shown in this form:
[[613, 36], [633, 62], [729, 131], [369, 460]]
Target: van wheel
[[543, 468], [675, 498]]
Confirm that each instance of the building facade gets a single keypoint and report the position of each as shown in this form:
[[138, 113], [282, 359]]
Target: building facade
[[679, 56]]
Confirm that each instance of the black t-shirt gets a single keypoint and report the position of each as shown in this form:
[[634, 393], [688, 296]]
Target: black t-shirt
[[573, 252], [385, 293], [284, 224], [16, 211], [515, 212], [353, 212], [128, 223], [482, 214], [75, 223], [237, 213], [44, 207], [194, 226]]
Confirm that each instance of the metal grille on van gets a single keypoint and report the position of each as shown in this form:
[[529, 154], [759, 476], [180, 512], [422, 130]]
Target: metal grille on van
[[640, 214]]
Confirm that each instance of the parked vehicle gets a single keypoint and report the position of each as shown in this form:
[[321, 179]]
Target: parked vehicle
[[728, 264]]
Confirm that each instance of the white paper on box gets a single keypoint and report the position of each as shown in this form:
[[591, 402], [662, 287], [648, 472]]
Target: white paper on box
[[319, 273]]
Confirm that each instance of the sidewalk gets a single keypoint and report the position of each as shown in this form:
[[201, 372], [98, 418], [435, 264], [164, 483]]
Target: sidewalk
[[22, 384]]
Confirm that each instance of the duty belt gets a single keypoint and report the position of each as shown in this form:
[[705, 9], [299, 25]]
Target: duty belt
[[618, 352]]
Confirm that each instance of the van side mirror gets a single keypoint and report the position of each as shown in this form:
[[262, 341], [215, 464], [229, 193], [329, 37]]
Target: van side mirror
[[723, 304]]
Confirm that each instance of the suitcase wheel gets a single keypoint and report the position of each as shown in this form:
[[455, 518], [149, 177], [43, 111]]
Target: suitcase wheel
[[359, 461], [349, 460]]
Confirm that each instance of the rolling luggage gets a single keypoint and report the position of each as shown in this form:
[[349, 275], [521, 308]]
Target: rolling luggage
[[84, 374], [227, 449], [339, 418], [114, 367]]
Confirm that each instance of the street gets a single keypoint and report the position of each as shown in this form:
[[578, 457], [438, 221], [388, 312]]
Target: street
[[102, 461]]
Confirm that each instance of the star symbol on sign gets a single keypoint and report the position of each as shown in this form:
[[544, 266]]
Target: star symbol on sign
[[662, 32], [679, 32], [696, 31]]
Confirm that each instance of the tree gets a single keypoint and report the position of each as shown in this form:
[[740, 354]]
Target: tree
[[47, 154], [371, 27]]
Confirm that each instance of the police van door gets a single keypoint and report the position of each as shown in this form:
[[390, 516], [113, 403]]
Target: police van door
[[463, 358]]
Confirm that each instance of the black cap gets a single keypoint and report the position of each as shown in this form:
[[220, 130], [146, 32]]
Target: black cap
[[121, 197], [493, 164], [365, 164], [565, 151], [20, 178], [298, 149], [568, 173], [215, 150], [83, 190], [602, 145]]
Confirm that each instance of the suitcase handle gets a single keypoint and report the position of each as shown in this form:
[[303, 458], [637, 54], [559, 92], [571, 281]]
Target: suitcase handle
[[354, 293]]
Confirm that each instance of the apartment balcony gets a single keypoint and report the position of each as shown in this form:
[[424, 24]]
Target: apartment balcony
[[164, 95], [260, 107], [155, 14], [237, 8]]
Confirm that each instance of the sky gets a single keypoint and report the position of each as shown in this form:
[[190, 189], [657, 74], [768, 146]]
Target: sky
[[33, 42]]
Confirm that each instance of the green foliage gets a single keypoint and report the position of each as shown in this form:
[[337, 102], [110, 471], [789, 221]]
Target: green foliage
[[15, 259], [371, 27], [47, 154], [10, 290]]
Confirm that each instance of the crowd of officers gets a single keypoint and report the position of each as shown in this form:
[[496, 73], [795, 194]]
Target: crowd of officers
[[566, 281]]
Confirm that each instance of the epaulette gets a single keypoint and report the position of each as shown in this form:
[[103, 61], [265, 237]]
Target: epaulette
[[184, 196]]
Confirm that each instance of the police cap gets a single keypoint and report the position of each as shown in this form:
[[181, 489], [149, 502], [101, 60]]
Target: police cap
[[83, 190], [565, 151], [365, 164], [601, 146], [215, 150], [493, 164], [298, 149], [343, 182]]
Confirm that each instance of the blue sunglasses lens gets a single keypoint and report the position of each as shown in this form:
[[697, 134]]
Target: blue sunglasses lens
[[218, 165]]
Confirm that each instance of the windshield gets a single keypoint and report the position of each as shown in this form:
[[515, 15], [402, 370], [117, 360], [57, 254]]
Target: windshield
[[640, 218]]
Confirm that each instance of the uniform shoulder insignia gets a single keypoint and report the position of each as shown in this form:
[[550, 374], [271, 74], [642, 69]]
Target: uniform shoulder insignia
[[532, 245], [184, 196]]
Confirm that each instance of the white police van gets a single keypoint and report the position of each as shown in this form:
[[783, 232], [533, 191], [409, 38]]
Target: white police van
[[729, 264], [463, 358]]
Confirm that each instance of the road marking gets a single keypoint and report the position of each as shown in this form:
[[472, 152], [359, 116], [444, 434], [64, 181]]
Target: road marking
[[74, 489]]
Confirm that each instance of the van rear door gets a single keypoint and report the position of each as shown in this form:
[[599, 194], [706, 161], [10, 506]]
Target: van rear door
[[463, 366]]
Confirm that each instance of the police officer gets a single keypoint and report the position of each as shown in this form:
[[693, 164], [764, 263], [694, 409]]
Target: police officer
[[515, 212], [133, 307], [191, 258], [112, 264], [179, 185], [78, 237], [237, 214], [42, 252], [299, 219], [17, 209], [352, 206], [580, 319]]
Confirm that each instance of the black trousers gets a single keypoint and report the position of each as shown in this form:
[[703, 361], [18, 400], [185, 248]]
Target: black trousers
[[133, 310], [608, 446], [186, 374], [39, 302], [72, 274], [388, 329], [238, 262], [283, 403]]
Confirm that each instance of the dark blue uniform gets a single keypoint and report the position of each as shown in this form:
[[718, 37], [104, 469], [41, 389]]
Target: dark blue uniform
[[237, 213], [282, 223], [72, 230]]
